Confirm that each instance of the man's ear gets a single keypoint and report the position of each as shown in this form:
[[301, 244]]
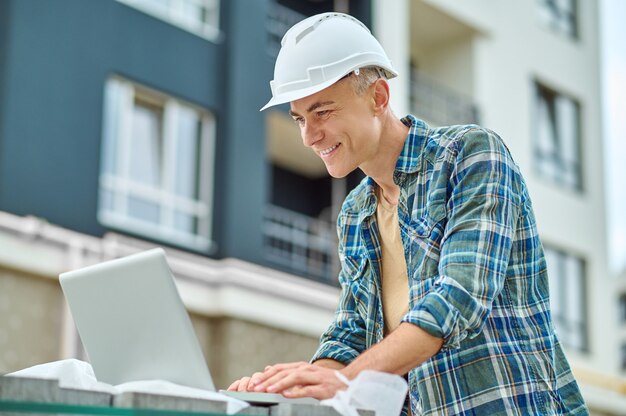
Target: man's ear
[[380, 96]]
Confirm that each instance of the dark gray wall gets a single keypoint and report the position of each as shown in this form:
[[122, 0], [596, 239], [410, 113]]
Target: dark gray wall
[[4, 42], [54, 59], [242, 167]]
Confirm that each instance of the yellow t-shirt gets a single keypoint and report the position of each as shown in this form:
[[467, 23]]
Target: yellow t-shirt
[[395, 286]]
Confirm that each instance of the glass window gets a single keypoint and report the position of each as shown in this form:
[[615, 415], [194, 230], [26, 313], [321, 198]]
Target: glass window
[[561, 16], [557, 138], [622, 308], [566, 274], [157, 164], [197, 16]]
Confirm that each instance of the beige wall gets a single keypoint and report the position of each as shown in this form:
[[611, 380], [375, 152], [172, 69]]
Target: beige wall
[[235, 348], [30, 320]]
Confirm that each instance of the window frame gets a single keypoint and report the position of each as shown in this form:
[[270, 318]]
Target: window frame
[[563, 321], [115, 163], [553, 23], [542, 161], [173, 14], [621, 301]]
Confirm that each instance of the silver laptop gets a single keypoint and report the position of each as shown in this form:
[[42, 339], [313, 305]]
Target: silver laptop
[[134, 325]]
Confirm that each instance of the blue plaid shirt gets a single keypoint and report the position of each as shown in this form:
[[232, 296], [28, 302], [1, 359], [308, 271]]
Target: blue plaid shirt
[[477, 279]]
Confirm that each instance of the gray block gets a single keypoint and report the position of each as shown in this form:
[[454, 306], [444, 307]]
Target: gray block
[[29, 389], [164, 402], [293, 409], [85, 397], [255, 410], [36, 390]]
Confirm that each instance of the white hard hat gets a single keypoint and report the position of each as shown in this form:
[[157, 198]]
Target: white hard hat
[[318, 51]]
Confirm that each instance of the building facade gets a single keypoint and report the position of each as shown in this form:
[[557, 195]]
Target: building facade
[[126, 124], [530, 71]]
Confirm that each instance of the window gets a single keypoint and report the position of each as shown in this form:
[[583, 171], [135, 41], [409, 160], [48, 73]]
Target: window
[[622, 309], [157, 164], [566, 274], [561, 16], [557, 138], [200, 17]]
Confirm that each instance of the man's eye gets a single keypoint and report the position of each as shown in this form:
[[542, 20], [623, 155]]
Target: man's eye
[[298, 120], [323, 113]]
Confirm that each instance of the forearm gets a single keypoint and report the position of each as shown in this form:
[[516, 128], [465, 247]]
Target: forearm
[[404, 349], [329, 363]]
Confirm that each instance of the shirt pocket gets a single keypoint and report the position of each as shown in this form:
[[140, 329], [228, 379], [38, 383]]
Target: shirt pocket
[[360, 283], [353, 265], [422, 241]]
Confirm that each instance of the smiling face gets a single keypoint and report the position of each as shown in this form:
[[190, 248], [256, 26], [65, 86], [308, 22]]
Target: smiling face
[[340, 126]]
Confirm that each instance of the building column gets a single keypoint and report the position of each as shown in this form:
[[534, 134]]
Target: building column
[[390, 23]]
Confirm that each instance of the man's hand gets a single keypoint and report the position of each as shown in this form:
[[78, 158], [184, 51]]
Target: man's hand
[[299, 379], [293, 380], [405, 348], [243, 384]]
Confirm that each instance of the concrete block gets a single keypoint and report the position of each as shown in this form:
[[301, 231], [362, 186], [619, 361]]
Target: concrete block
[[293, 409], [29, 389], [255, 410], [85, 397], [37, 390], [164, 402]]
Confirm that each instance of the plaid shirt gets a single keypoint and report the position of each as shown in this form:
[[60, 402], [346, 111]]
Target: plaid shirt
[[477, 279]]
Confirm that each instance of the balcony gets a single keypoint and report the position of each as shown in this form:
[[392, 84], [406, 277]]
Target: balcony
[[300, 244], [438, 104]]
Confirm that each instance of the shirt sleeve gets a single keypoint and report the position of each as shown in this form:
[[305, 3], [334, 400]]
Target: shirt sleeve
[[482, 210], [345, 338]]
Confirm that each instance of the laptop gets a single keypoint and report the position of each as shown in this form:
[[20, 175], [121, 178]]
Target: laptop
[[134, 325]]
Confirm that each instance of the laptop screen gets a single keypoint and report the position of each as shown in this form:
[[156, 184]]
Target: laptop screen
[[133, 323]]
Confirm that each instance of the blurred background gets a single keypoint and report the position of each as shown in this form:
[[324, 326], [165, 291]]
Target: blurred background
[[130, 124]]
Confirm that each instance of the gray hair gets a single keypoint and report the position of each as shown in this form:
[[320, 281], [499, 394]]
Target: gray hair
[[364, 77]]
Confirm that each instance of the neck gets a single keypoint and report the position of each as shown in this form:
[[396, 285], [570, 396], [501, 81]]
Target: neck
[[381, 167]]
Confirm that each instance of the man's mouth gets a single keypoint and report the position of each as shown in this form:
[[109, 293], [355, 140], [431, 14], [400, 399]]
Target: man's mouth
[[328, 151]]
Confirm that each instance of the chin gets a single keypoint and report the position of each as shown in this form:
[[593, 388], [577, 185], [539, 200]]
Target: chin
[[338, 173]]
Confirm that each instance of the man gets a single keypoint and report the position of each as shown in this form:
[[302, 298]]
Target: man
[[443, 275]]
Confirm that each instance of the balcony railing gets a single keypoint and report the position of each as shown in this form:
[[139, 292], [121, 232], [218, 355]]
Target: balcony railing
[[439, 105], [280, 19], [301, 244]]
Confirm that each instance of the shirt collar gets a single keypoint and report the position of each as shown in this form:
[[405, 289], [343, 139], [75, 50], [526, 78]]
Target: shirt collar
[[409, 161], [410, 158]]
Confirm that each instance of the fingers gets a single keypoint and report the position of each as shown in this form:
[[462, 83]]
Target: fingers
[[272, 373], [290, 378], [243, 384], [293, 380], [260, 380], [320, 392]]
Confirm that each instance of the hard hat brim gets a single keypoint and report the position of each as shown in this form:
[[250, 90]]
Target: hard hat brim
[[300, 93], [305, 92]]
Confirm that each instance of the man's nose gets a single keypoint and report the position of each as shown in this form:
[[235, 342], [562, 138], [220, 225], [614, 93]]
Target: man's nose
[[311, 134]]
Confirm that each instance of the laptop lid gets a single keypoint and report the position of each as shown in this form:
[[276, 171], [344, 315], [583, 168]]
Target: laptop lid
[[133, 323]]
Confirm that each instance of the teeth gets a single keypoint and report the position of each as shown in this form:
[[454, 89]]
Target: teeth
[[327, 151]]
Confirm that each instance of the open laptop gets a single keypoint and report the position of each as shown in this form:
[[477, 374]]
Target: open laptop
[[134, 325]]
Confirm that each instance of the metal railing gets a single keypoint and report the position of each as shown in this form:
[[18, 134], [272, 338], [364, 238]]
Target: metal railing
[[301, 244], [279, 20], [438, 104]]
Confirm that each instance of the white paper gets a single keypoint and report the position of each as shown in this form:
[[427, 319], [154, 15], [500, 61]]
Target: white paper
[[383, 393], [76, 374]]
